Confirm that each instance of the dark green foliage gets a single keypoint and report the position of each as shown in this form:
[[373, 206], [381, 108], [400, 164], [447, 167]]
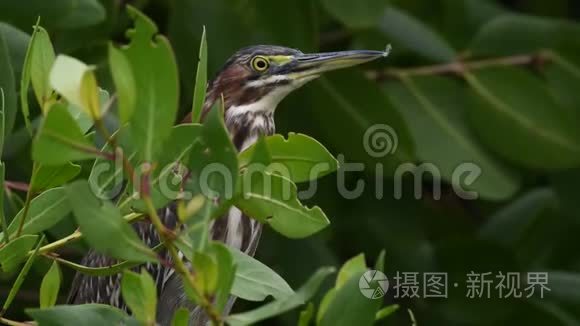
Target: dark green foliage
[[487, 84]]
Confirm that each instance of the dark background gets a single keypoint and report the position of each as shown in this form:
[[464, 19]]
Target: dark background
[[524, 221]]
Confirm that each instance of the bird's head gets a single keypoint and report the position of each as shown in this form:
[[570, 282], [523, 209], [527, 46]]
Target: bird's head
[[259, 77]]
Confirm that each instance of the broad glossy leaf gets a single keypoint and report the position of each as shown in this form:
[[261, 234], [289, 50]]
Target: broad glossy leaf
[[437, 108], [76, 82], [206, 272], [50, 176], [103, 226], [107, 176], [361, 310], [277, 307], [353, 267], [348, 99], [200, 80], [562, 285], [87, 314], [272, 199], [8, 87], [61, 14], [521, 34], [50, 286], [22, 275], [227, 270], [60, 140], [45, 211], [140, 294], [155, 74], [17, 42], [213, 161], [511, 223], [306, 315], [409, 32], [355, 14], [37, 65], [386, 311], [301, 156], [16, 251], [124, 83], [3, 222], [530, 127], [255, 281]]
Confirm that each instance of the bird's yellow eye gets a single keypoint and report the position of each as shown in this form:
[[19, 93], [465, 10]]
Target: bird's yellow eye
[[260, 64]]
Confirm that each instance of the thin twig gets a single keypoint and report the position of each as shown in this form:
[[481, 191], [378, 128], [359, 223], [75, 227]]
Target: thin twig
[[459, 68], [16, 185]]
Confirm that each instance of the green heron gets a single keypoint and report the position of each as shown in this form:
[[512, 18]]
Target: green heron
[[253, 82]]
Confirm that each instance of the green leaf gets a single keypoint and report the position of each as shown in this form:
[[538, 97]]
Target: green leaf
[[50, 286], [15, 252], [354, 266], [155, 74], [45, 211], [37, 65], [50, 176], [355, 14], [60, 140], [17, 42], [206, 273], [213, 161], [521, 34], [86, 314], [77, 83], [299, 158], [542, 134], [277, 307], [124, 83], [380, 263], [306, 315], [3, 223], [103, 226], [181, 317], [82, 118], [349, 99], [22, 275], [409, 32], [350, 307], [255, 281], [226, 273], [200, 80], [273, 199], [2, 119], [510, 224], [386, 311], [106, 178], [140, 294], [437, 106], [8, 92]]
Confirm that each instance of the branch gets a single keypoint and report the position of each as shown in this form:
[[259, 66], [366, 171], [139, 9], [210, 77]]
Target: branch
[[459, 68]]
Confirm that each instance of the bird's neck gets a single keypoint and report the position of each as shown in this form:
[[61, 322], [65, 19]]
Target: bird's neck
[[246, 124]]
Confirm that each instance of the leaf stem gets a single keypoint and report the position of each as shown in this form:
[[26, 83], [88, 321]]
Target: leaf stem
[[13, 322], [27, 201]]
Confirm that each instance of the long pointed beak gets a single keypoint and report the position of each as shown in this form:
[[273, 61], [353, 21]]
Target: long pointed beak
[[317, 63]]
